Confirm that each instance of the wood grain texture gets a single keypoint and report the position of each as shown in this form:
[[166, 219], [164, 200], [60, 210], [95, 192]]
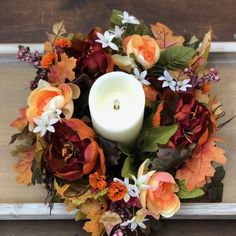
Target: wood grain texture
[[25, 21], [71, 228]]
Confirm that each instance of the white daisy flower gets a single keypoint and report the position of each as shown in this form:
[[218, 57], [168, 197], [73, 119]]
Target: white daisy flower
[[132, 190], [134, 223], [118, 31], [126, 18], [106, 40], [183, 85], [141, 76], [44, 124], [168, 81]]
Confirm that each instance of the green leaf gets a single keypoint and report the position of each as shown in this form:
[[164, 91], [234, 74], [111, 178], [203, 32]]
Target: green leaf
[[124, 149], [160, 135], [185, 194], [175, 57], [128, 168], [79, 216], [115, 18], [193, 42]]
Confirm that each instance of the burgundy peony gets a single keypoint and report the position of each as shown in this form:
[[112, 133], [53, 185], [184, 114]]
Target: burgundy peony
[[72, 151], [92, 59], [194, 119]]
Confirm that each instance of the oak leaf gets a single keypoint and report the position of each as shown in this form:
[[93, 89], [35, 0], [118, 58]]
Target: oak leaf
[[199, 167], [164, 36], [23, 167]]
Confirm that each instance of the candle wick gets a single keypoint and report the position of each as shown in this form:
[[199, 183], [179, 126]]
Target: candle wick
[[116, 105]]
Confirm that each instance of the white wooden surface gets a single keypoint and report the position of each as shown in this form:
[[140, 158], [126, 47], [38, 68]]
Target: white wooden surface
[[12, 47], [21, 202], [39, 211]]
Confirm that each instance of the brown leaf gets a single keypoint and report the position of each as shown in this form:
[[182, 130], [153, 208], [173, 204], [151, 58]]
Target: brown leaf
[[164, 36], [23, 167], [201, 58], [199, 167]]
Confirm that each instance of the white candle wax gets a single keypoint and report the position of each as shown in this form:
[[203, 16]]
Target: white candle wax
[[116, 103]]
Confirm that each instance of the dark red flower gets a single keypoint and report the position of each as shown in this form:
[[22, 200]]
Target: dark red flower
[[92, 59], [72, 151], [194, 120]]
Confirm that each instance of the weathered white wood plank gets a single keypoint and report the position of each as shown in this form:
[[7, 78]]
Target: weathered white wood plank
[[39, 211], [12, 48]]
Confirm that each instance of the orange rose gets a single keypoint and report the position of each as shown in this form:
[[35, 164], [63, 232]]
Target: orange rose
[[144, 48], [160, 198], [40, 98]]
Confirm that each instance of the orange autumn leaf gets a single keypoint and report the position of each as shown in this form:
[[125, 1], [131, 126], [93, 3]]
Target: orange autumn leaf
[[157, 116], [23, 167], [199, 167], [164, 36], [93, 209], [62, 70], [21, 121]]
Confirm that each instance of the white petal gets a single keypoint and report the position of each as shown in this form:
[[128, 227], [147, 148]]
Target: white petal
[[165, 84], [45, 117], [51, 129], [162, 78], [113, 46], [100, 36], [43, 132], [143, 74], [136, 72], [37, 129], [104, 45], [145, 82], [142, 225], [125, 14], [52, 104], [38, 122], [133, 226], [99, 41], [167, 75], [126, 197], [53, 121]]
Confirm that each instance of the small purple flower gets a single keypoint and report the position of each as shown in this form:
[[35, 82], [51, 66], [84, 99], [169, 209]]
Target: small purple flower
[[25, 55]]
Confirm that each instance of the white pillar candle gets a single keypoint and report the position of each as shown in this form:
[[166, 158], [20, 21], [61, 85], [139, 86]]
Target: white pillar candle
[[116, 103]]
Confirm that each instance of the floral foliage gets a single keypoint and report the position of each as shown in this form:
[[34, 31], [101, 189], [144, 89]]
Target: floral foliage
[[120, 188]]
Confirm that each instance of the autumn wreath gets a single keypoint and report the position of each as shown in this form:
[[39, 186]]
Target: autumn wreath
[[120, 125]]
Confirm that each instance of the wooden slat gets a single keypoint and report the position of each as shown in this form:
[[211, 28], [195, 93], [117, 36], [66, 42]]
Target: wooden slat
[[11, 48], [39, 211]]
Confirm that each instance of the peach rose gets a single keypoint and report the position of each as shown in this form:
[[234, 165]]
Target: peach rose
[[144, 48], [160, 198], [40, 98]]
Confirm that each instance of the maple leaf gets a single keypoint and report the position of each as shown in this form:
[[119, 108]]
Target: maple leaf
[[94, 210], [62, 70], [164, 36], [23, 167], [21, 121], [199, 167]]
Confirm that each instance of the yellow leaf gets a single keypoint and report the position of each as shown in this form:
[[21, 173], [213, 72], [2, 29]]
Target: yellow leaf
[[23, 167], [164, 36]]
